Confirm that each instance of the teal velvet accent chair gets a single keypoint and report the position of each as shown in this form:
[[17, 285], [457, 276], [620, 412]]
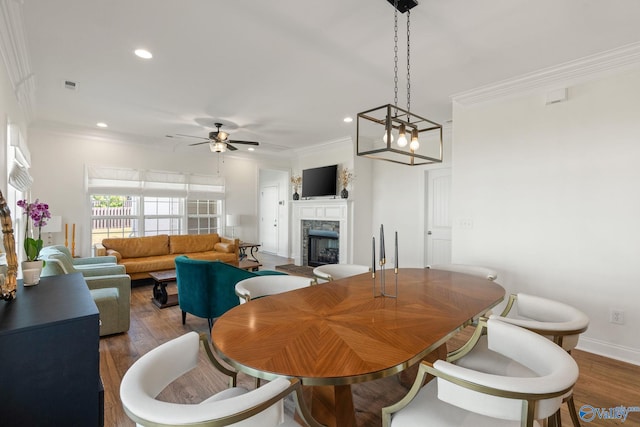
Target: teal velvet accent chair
[[206, 289]]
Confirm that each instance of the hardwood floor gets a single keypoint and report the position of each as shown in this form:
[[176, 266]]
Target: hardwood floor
[[603, 383]]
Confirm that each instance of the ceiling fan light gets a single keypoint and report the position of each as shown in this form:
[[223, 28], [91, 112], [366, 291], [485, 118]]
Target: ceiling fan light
[[218, 147], [222, 135]]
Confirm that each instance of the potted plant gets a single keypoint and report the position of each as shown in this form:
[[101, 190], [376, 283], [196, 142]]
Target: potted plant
[[346, 176], [296, 180], [38, 213]]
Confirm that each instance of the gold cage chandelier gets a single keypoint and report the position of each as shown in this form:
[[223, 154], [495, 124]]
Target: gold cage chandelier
[[395, 134]]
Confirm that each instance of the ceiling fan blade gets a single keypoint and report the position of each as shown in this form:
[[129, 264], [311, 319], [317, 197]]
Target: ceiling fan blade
[[199, 143], [191, 136], [231, 147], [244, 142]]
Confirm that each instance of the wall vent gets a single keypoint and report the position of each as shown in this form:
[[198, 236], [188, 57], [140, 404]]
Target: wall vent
[[71, 85]]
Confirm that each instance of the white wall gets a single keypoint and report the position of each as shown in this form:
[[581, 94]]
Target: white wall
[[331, 153], [59, 160], [552, 193]]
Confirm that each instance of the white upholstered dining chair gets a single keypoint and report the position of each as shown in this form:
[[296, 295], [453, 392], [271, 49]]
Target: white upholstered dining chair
[[259, 286], [464, 397], [475, 270], [328, 272], [556, 321], [236, 406]]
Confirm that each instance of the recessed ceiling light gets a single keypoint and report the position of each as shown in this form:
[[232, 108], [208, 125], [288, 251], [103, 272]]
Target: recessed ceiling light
[[252, 149], [348, 119], [143, 53], [101, 125]]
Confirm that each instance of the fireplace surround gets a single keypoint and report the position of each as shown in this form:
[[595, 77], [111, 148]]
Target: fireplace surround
[[325, 215]]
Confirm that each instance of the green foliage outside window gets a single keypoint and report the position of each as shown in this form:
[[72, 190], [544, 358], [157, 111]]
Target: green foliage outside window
[[107, 201]]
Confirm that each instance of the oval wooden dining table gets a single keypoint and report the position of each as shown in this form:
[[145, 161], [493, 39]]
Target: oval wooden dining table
[[336, 334]]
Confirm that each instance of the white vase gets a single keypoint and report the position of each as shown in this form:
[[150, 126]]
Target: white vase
[[31, 272]]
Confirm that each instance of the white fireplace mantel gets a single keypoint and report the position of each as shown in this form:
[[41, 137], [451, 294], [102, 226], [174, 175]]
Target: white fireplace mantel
[[327, 210]]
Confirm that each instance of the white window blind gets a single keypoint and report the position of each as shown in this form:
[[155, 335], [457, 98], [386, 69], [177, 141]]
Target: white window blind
[[110, 180]]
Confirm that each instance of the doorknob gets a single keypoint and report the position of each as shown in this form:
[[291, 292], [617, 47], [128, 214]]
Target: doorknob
[[429, 232]]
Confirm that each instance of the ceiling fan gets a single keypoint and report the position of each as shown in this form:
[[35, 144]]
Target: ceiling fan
[[219, 141]]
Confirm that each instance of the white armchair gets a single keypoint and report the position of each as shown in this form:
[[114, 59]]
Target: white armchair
[[259, 286], [328, 272], [464, 397], [558, 322], [555, 320], [474, 270], [236, 406]]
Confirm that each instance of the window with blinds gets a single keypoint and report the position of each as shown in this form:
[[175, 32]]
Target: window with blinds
[[132, 203]]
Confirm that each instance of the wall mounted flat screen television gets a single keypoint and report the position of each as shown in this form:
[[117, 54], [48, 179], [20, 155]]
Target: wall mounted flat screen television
[[321, 181]]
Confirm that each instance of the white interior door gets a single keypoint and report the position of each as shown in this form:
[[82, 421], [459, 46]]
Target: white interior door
[[269, 219], [438, 230]]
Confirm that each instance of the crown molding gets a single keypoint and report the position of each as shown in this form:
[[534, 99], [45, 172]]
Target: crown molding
[[317, 148], [14, 52], [569, 73], [92, 134]]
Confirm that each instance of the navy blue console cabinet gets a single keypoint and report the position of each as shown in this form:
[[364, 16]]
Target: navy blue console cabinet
[[49, 355]]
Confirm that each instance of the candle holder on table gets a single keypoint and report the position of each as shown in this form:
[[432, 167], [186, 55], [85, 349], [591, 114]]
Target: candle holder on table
[[382, 262]]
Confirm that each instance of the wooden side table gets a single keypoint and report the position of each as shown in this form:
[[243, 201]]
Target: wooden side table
[[160, 296], [253, 248]]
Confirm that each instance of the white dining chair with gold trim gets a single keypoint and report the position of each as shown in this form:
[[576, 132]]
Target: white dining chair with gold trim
[[260, 286], [464, 397], [235, 406], [328, 272], [474, 270], [554, 320]]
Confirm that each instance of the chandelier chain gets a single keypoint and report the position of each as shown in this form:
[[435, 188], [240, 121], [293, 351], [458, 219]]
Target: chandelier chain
[[408, 61], [395, 55]]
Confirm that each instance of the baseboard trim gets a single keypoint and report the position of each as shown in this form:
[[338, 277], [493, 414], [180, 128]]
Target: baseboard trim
[[613, 351]]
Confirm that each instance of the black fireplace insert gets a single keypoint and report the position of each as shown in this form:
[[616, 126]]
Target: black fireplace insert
[[323, 248]]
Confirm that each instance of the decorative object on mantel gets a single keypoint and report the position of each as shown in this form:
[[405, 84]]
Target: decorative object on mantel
[[38, 213], [346, 177], [376, 127], [383, 262], [8, 282], [296, 180]]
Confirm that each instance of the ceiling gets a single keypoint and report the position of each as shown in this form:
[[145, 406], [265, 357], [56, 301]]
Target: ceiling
[[286, 72]]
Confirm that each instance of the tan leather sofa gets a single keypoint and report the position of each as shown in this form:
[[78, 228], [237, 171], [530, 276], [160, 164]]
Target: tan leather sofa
[[142, 255]]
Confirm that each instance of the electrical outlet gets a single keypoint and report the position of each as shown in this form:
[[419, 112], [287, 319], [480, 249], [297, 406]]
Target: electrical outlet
[[466, 223], [616, 315]]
